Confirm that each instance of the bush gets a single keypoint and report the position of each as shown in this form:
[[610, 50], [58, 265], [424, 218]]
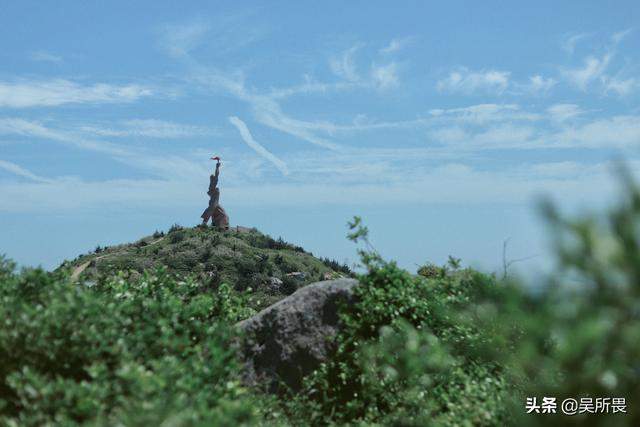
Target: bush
[[7, 267], [175, 227], [432, 271], [144, 353], [579, 336], [336, 266], [177, 236]]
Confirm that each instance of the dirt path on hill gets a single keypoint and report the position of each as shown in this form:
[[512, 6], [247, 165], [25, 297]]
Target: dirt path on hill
[[82, 267]]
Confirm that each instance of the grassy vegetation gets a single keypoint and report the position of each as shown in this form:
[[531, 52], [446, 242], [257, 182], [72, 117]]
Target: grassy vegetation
[[243, 259], [448, 346]]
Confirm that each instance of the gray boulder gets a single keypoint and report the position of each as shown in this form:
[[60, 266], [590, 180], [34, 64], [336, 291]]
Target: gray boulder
[[290, 339], [274, 285]]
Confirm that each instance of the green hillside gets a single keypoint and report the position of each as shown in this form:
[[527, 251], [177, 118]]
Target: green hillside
[[241, 257]]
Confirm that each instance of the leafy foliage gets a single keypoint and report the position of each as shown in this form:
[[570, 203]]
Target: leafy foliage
[[579, 337], [144, 353]]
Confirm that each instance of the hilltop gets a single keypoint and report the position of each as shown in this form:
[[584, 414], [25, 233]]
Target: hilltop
[[241, 257]]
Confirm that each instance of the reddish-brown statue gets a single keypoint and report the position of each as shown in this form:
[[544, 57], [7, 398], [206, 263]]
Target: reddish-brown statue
[[215, 212]]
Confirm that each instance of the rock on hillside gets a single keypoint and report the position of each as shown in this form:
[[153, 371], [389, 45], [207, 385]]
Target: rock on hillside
[[289, 339], [241, 257]]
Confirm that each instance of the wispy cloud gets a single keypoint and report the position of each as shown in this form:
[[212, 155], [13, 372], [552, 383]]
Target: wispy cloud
[[617, 37], [165, 166], [620, 86], [395, 45], [540, 84], [20, 171], [43, 56], [344, 65], [150, 128], [309, 86], [596, 72], [592, 70], [28, 128], [470, 82], [481, 114], [617, 132], [562, 112], [179, 39], [570, 41], [254, 145], [266, 108], [49, 93], [385, 76], [219, 34]]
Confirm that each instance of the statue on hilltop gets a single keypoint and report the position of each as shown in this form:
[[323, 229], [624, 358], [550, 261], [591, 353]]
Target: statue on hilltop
[[214, 211]]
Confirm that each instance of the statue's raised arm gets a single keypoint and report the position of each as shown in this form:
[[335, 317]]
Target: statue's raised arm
[[213, 179]]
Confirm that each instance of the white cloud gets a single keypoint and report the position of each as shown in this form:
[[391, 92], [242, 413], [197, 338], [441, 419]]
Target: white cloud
[[504, 135], [219, 34], [310, 86], [76, 195], [469, 82], [562, 112], [179, 39], [592, 70], [499, 130], [617, 37], [484, 113], [557, 169], [613, 132], [49, 93], [254, 145], [150, 128], [164, 166], [385, 76], [20, 171], [344, 66], [395, 45], [15, 126], [571, 41], [449, 135], [539, 84], [42, 56], [621, 87], [266, 108]]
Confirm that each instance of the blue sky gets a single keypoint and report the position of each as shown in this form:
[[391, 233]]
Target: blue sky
[[440, 124]]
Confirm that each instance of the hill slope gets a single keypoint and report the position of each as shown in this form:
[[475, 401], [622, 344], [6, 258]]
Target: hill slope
[[241, 257]]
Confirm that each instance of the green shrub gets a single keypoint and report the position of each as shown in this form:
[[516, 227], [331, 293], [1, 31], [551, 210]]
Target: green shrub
[[144, 353], [175, 227], [432, 271], [578, 336], [336, 266], [177, 236]]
